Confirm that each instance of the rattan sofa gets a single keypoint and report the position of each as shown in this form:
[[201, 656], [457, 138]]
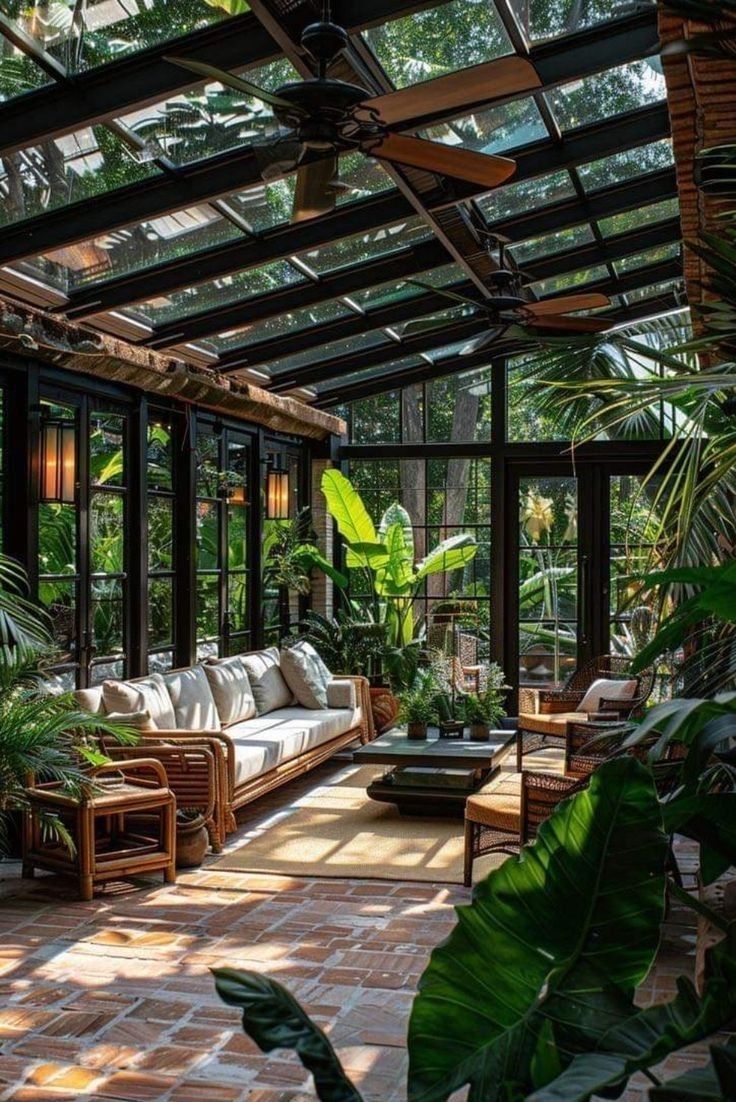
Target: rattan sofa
[[220, 771]]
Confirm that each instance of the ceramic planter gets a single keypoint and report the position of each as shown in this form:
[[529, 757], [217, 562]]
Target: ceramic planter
[[192, 842], [480, 732], [416, 730]]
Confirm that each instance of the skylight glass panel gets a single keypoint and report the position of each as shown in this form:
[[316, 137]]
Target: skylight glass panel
[[494, 130], [654, 289], [81, 36], [218, 292], [542, 19], [405, 363], [648, 256], [626, 165], [567, 280], [133, 248], [210, 119], [526, 195], [346, 251], [418, 326], [640, 217], [373, 298], [271, 328], [331, 351], [65, 170], [18, 73], [607, 94], [552, 243], [430, 43]]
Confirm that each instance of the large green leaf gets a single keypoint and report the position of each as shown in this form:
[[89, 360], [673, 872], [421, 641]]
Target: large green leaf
[[647, 1037], [274, 1019], [311, 557], [451, 554], [716, 1082], [687, 721], [396, 578], [553, 944], [347, 509], [709, 818], [397, 514], [373, 555]]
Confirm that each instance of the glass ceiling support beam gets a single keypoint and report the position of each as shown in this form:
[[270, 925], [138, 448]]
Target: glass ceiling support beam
[[451, 364], [611, 248], [599, 204], [557, 216], [454, 331], [122, 86], [344, 281], [239, 255]]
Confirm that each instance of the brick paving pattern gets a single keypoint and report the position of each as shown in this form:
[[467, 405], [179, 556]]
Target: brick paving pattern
[[113, 999]]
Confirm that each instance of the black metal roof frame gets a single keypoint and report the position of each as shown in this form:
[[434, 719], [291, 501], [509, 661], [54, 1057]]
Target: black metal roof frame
[[269, 31]]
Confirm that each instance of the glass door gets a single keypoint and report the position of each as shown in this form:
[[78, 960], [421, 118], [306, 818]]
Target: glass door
[[550, 573]]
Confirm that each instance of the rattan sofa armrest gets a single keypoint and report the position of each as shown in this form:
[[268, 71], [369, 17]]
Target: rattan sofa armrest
[[136, 766], [199, 758], [622, 707], [362, 690], [219, 742]]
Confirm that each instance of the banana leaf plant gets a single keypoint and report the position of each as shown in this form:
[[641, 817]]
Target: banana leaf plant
[[532, 994], [381, 558]]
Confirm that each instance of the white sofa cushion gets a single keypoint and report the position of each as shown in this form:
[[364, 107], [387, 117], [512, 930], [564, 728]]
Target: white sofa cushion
[[604, 689], [145, 694], [231, 689], [341, 694], [193, 703], [270, 690], [267, 741], [306, 674], [90, 700], [141, 721]]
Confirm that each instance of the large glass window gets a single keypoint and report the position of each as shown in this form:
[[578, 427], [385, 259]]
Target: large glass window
[[161, 506], [223, 614]]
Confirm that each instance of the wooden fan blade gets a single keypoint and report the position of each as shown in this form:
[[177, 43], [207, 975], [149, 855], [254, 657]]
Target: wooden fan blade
[[457, 91], [464, 164], [565, 304], [568, 325], [314, 193], [211, 72]]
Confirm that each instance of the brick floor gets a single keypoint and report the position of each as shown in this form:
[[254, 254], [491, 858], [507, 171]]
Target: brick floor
[[113, 999]]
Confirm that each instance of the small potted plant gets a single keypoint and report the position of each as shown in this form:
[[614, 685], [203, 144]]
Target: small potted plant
[[482, 712], [417, 709]]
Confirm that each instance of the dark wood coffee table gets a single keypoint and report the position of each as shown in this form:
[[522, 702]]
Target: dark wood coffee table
[[432, 776]]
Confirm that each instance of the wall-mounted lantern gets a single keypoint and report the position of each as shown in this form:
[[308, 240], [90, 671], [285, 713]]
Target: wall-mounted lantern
[[277, 494], [58, 461]]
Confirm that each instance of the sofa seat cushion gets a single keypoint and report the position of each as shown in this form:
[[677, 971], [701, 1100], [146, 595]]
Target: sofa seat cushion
[[498, 805], [555, 724], [267, 741]]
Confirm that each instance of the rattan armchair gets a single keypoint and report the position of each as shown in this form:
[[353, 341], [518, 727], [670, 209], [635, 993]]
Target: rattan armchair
[[506, 817]]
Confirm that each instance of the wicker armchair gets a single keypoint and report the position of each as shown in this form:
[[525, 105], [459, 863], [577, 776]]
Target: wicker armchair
[[508, 816], [545, 715]]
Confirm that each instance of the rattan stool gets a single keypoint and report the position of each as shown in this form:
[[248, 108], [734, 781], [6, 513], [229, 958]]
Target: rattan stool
[[104, 848]]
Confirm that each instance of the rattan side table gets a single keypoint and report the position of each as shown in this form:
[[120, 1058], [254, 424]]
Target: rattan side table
[[106, 848]]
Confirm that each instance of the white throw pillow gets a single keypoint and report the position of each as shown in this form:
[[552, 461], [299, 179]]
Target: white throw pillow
[[270, 690], [231, 689], [602, 689], [306, 675], [194, 704], [141, 721], [147, 695]]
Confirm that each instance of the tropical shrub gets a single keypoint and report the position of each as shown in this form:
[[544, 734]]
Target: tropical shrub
[[381, 560], [532, 995]]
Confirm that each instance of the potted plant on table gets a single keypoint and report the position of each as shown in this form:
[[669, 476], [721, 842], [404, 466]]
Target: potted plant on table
[[418, 706], [483, 711]]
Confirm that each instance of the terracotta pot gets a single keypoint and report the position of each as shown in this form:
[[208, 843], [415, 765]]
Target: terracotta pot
[[416, 730], [192, 842], [480, 732], [385, 708]]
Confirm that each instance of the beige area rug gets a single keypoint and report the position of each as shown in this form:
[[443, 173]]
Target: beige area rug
[[336, 830]]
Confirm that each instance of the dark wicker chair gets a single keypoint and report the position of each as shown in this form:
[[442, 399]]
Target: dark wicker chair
[[545, 715]]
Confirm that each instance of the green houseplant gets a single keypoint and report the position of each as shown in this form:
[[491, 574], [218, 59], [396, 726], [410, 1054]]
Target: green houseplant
[[531, 998], [483, 711], [418, 705]]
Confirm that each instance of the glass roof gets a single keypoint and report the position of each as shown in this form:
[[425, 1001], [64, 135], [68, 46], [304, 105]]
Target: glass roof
[[141, 261], [84, 35]]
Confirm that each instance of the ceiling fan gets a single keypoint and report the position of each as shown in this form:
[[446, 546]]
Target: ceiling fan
[[508, 307], [330, 117]]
